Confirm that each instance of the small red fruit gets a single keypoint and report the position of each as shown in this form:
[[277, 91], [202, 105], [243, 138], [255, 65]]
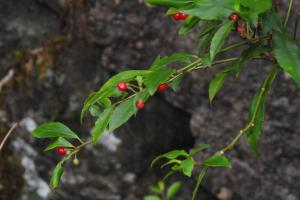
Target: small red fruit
[[122, 86], [234, 17], [61, 151], [162, 87], [140, 104], [241, 29], [183, 16], [176, 16]]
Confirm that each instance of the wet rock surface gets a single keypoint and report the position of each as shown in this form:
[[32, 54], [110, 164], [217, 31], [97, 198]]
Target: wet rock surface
[[100, 39]]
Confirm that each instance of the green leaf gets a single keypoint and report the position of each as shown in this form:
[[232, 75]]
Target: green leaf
[[172, 161], [175, 83], [158, 188], [171, 155], [59, 142], [184, 58], [188, 25], [156, 77], [101, 124], [219, 39], [152, 197], [251, 52], [258, 101], [53, 129], [109, 88], [122, 114], [173, 189], [171, 11], [256, 7], [204, 44], [216, 84], [217, 161], [271, 21], [188, 166], [161, 186], [199, 180], [95, 110], [210, 9], [170, 3], [126, 110], [208, 28], [199, 148], [287, 55], [106, 102], [255, 132], [57, 173]]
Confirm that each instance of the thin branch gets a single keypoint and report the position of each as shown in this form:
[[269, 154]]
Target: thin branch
[[6, 78], [288, 12], [242, 132], [8, 134]]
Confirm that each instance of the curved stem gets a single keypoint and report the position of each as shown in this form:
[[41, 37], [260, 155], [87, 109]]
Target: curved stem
[[199, 180], [288, 12], [296, 23], [268, 81]]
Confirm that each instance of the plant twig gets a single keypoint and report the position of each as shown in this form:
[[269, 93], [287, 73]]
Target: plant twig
[[199, 180], [8, 134], [288, 12], [296, 23], [242, 132], [6, 78]]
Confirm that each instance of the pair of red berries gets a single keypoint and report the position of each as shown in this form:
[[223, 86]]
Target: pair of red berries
[[140, 104], [235, 18], [122, 86], [179, 16]]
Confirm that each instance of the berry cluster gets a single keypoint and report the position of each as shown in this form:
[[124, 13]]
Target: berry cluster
[[240, 28], [179, 16], [140, 104]]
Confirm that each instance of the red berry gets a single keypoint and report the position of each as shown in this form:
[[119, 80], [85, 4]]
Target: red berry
[[241, 29], [183, 16], [61, 151], [176, 16], [162, 87], [234, 17], [140, 104], [122, 86]]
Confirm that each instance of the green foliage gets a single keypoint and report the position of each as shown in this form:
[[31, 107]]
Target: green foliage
[[216, 84], [53, 129], [157, 76], [210, 9], [122, 114], [172, 190], [287, 54], [219, 38], [57, 173], [163, 193], [59, 142], [199, 149], [253, 8], [265, 37], [217, 161], [257, 111], [108, 89], [102, 123]]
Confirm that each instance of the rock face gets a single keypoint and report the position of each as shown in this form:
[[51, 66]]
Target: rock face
[[79, 45]]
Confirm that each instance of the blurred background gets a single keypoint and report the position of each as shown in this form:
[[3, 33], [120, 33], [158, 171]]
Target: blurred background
[[55, 52]]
